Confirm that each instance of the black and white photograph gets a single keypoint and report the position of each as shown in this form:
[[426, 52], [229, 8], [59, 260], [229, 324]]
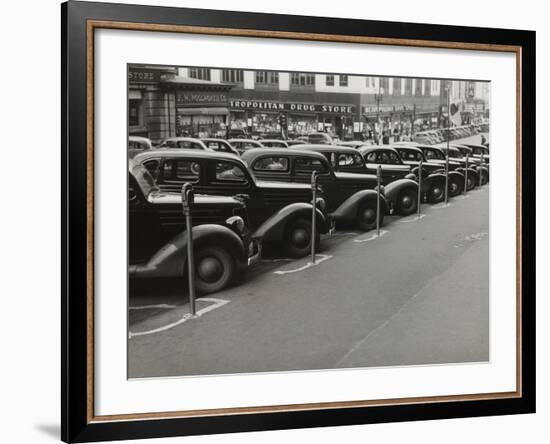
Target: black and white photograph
[[284, 221]]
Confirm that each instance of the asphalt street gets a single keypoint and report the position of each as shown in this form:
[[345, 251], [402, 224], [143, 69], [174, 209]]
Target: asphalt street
[[418, 294]]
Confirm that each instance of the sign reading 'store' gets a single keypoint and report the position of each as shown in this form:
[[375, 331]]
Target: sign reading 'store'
[[269, 105]]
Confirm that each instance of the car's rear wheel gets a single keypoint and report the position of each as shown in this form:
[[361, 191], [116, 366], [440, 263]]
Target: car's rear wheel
[[214, 269], [297, 239], [436, 193], [366, 216], [472, 181], [484, 177], [407, 202], [456, 186]]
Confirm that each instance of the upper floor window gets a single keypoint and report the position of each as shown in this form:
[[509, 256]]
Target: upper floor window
[[199, 73], [232, 75], [408, 87], [343, 80], [396, 87], [302, 79], [267, 77], [384, 84], [370, 82], [330, 80], [418, 87]]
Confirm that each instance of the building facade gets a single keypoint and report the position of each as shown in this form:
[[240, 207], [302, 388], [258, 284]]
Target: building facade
[[208, 102]]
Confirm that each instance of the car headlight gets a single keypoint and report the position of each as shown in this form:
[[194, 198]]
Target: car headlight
[[236, 223]]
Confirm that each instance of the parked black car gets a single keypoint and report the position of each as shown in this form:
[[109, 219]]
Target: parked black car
[[433, 176], [277, 212], [458, 154], [158, 238], [219, 145], [436, 155], [349, 166]]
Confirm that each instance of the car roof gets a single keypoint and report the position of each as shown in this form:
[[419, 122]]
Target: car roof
[[410, 148], [244, 140], [251, 155], [272, 140], [183, 153], [140, 138], [212, 139], [368, 148], [324, 148]]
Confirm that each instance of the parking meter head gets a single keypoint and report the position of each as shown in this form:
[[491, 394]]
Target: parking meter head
[[187, 195]]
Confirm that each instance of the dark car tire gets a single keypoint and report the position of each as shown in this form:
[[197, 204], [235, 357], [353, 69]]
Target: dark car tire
[[472, 182], [366, 216], [436, 193], [484, 177], [407, 202], [297, 238], [456, 186], [214, 269]]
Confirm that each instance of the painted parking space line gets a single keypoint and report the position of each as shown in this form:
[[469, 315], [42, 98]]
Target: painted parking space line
[[371, 237], [148, 307], [471, 238], [216, 303], [441, 205], [345, 233], [412, 219], [322, 258], [282, 259]]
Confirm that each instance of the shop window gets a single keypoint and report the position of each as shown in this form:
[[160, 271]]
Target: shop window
[[199, 73], [308, 165], [343, 80], [181, 170], [229, 172], [302, 79], [330, 80], [279, 164], [135, 112], [232, 76]]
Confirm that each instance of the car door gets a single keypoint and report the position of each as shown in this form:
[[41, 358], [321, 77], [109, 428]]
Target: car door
[[391, 166]]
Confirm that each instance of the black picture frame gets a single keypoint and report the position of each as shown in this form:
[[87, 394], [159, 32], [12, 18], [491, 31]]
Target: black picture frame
[[77, 424]]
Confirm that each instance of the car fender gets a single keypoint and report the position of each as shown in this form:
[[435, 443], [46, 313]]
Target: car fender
[[348, 209], [273, 229], [171, 259], [394, 188]]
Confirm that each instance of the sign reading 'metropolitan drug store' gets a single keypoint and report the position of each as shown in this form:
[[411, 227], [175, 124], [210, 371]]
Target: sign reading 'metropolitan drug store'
[[268, 105]]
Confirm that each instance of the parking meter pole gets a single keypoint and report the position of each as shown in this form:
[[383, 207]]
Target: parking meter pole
[[419, 188], [313, 213], [378, 187], [187, 200], [480, 171], [447, 178], [466, 177]]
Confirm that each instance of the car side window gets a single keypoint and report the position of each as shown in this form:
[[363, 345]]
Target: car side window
[[308, 165], [153, 166], [181, 170], [371, 157], [349, 160], [393, 158], [272, 163], [229, 172]]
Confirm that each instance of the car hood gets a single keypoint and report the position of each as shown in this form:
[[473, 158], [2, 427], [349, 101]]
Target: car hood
[[283, 185], [162, 198], [354, 176]]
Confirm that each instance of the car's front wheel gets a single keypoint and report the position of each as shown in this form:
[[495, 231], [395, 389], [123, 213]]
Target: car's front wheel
[[436, 192], [214, 269], [456, 186], [366, 216], [297, 238], [407, 202]]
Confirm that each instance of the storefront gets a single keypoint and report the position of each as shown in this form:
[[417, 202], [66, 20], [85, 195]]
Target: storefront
[[147, 102], [201, 110], [261, 117]]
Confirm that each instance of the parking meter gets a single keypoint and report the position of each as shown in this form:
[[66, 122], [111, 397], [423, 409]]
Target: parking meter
[[187, 199], [313, 213], [378, 190]]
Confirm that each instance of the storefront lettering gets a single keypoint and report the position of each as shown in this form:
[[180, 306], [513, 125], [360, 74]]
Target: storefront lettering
[[290, 106], [185, 98]]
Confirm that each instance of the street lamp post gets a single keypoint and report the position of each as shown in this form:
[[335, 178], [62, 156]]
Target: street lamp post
[[378, 98]]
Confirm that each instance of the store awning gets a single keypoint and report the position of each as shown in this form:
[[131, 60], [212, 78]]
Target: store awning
[[211, 111]]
